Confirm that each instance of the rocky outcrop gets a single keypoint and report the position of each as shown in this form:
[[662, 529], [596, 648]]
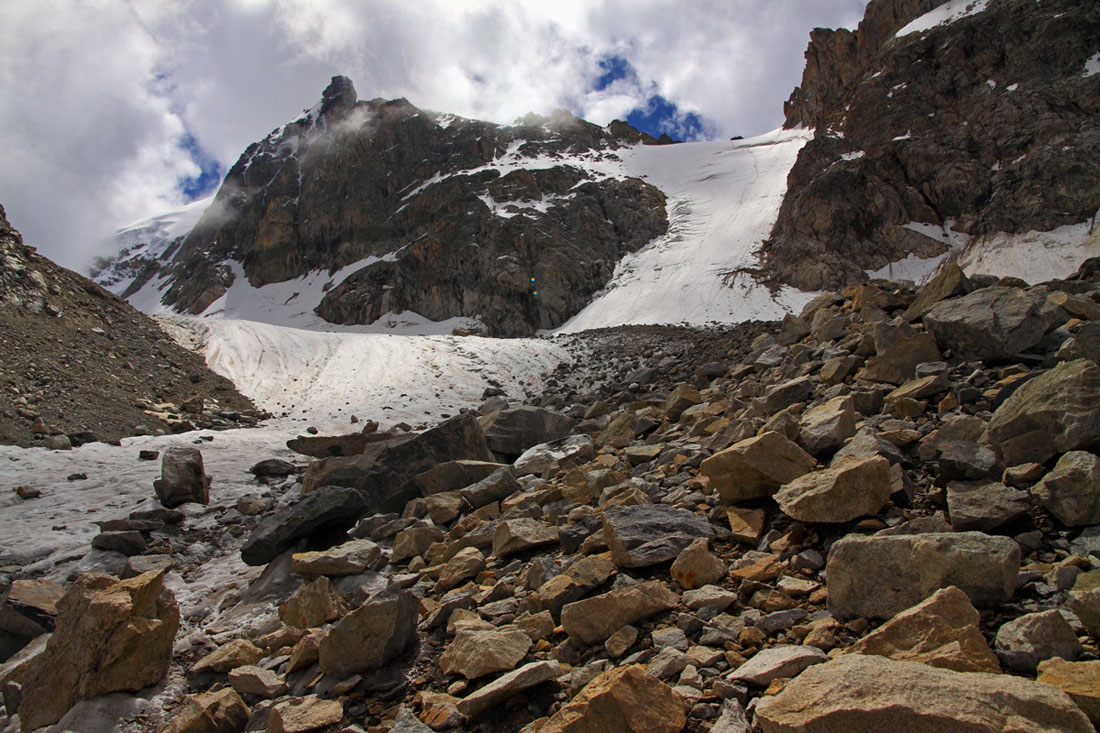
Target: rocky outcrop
[[409, 194], [985, 124]]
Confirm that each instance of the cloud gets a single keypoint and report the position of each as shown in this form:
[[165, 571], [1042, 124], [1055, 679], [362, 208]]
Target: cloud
[[115, 109]]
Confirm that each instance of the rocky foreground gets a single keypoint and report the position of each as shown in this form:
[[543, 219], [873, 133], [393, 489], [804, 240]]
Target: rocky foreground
[[881, 514]]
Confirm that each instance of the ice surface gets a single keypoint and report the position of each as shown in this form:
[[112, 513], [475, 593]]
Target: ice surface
[[1092, 65], [1034, 257], [949, 12]]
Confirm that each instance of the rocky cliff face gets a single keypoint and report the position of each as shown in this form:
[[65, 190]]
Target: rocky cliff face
[[987, 123], [79, 364], [450, 217]]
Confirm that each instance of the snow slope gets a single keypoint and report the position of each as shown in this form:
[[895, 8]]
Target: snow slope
[[949, 12]]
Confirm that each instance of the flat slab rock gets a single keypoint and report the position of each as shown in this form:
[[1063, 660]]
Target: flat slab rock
[[647, 534], [776, 662], [858, 693]]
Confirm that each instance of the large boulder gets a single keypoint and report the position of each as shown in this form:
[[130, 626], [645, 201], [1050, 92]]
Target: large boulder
[[984, 506], [879, 576], [111, 636], [510, 432], [329, 507], [942, 631], [1035, 637], [477, 652], [1071, 491], [855, 692], [823, 429], [371, 635], [991, 323], [1055, 412], [899, 348], [507, 685], [627, 699], [851, 488], [454, 475], [648, 534], [182, 477], [386, 475], [756, 467], [593, 620]]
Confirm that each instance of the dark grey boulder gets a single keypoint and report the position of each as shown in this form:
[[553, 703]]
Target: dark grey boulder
[[509, 433], [647, 534], [336, 507], [182, 478], [992, 323]]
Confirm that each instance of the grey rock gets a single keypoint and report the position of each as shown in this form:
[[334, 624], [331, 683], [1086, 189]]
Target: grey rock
[[182, 478], [1071, 491], [963, 461], [331, 506], [648, 534], [372, 635], [127, 542], [984, 507], [507, 685], [1025, 641], [779, 661], [509, 433], [991, 323]]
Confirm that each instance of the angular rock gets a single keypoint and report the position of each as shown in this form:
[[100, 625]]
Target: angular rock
[[477, 652], [466, 564], [182, 478], [273, 467], [126, 543], [350, 558], [785, 394], [304, 714], [695, 566], [545, 458], [1024, 642], [1084, 600], [941, 631], [868, 443], [1079, 680], [898, 350], [823, 429], [681, 398], [626, 699], [592, 620], [1071, 491], [855, 692], [984, 506], [454, 475], [507, 685], [746, 525], [648, 534], [110, 636], [256, 681], [222, 711], [578, 580], [510, 432], [1055, 412], [332, 506], [851, 488], [414, 541], [313, 604], [519, 535], [880, 576], [237, 653], [778, 661], [960, 460], [948, 282], [712, 596], [371, 635], [991, 323], [755, 468], [497, 486]]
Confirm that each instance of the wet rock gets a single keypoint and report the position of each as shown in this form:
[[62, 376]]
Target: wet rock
[[880, 576], [1071, 491], [696, 566], [984, 507], [621, 699], [110, 636], [349, 558], [755, 468], [1025, 641], [332, 506], [1055, 412], [876, 693], [647, 534], [592, 620], [477, 652], [304, 714], [220, 711], [371, 635], [776, 662], [941, 631], [850, 488], [506, 686], [512, 431], [182, 478], [313, 604]]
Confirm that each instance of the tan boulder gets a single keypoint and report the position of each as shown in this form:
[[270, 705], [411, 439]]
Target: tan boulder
[[222, 711], [257, 681], [822, 430], [304, 714], [622, 699], [856, 693], [466, 563], [851, 488], [477, 652], [746, 525], [755, 468], [517, 535], [237, 653], [593, 620], [941, 631], [1079, 680], [350, 558], [696, 566], [110, 636], [313, 604], [578, 580]]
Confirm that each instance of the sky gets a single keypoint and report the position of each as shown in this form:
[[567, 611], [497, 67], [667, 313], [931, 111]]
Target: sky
[[114, 110]]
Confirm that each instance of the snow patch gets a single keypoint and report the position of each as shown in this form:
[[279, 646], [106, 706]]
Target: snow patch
[[949, 12], [1034, 257], [911, 267], [1092, 65]]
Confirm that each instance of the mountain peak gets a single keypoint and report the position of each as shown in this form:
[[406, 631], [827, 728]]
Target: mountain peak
[[339, 97]]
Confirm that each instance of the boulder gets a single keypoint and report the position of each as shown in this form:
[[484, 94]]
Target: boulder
[[681, 398], [850, 488], [1079, 680], [648, 534], [755, 468], [544, 459], [855, 692], [941, 631], [868, 443], [454, 475], [332, 507], [303, 714], [221, 711], [313, 604], [1032, 638], [822, 430], [497, 486], [371, 635], [984, 507], [506, 686], [349, 558], [696, 566], [592, 620], [899, 348], [477, 652], [991, 323], [1084, 600], [746, 525], [466, 564], [783, 395], [1055, 412], [386, 475], [577, 581], [110, 636], [510, 432], [961, 460], [1085, 344], [257, 681], [1071, 491], [519, 535], [273, 467], [626, 699], [230, 656], [414, 541], [880, 576], [776, 662], [948, 282], [125, 543], [182, 478]]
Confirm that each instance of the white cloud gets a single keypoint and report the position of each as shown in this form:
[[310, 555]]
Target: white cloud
[[97, 94]]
